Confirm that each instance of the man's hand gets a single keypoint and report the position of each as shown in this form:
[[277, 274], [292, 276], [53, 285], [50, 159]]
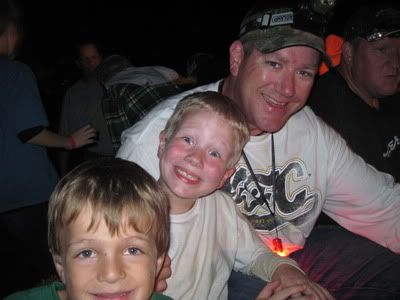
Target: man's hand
[[290, 276], [270, 292], [165, 273]]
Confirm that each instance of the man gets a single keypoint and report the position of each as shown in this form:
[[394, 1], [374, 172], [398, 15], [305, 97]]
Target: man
[[351, 97], [295, 166], [82, 105], [27, 176]]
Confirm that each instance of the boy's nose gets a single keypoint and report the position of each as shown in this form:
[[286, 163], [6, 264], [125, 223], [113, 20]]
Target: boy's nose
[[111, 270], [195, 158]]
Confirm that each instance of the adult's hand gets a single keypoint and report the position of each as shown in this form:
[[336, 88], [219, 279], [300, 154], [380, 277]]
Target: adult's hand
[[270, 292], [290, 276]]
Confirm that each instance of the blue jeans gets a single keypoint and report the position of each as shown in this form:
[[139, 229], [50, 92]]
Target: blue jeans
[[349, 266]]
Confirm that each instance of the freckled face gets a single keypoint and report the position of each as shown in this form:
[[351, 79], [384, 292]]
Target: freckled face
[[194, 162]]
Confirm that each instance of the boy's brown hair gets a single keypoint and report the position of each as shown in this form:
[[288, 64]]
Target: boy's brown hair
[[221, 106], [117, 191]]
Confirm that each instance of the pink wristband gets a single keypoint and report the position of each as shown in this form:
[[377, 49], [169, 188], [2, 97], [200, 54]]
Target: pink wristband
[[72, 143]]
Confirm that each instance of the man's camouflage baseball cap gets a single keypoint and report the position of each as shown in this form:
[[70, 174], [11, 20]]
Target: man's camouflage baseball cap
[[270, 28]]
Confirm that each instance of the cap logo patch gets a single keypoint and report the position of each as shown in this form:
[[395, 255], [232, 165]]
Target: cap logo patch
[[281, 19]]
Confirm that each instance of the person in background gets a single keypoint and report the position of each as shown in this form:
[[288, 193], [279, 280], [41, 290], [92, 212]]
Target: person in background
[[130, 92], [82, 105], [294, 165], [349, 97], [27, 176], [108, 234], [199, 147]]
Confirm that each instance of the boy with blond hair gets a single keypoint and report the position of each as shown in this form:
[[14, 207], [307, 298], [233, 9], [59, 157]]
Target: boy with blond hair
[[198, 150], [108, 233]]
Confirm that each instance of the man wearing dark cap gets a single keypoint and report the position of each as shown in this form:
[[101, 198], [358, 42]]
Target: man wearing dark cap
[[350, 97], [295, 166]]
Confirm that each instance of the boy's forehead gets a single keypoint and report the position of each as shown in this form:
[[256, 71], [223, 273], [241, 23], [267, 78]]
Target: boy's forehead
[[88, 224]]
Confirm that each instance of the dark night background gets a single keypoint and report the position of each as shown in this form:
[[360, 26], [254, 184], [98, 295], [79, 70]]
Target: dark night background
[[148, 32]]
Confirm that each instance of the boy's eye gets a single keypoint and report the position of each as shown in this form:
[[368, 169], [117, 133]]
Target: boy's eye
[[133, 251], [215, 153], [187, 139], [86, 254]]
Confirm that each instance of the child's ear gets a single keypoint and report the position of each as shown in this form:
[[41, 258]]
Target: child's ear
[[59, 265], [161, 145], [160, 263], [228, 173]]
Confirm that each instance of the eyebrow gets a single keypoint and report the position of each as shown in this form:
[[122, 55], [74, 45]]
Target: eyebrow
[[129, 238]]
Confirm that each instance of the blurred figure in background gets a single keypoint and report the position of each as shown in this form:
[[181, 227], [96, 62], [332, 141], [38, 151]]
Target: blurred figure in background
[[130, 92], [27, 176], [349, 97], [82, 105]]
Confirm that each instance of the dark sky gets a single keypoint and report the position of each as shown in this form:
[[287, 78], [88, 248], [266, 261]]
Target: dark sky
[[148, 32]]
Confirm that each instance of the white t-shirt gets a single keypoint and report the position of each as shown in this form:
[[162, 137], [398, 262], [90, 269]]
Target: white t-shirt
[[210, 240]]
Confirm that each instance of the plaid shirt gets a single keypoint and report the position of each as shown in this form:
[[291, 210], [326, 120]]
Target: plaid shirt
[[126, 103]]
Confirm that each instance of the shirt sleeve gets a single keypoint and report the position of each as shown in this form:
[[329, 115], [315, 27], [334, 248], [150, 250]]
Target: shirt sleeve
[[253, 257], [359, 197], [29, 111]]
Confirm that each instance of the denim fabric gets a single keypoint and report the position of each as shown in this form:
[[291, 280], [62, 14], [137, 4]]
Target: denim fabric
[[349, 266]]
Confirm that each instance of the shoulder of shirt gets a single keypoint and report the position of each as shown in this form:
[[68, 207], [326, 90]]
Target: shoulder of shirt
[[16, 67]]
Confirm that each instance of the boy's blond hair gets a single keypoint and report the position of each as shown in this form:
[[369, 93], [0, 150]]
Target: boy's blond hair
[[221, 106], [117, 191]]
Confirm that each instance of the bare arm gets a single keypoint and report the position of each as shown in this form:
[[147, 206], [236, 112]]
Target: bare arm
[[81, 137]]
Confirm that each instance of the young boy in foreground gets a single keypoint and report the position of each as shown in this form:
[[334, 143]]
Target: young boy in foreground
[[108, 233], [198, 150]]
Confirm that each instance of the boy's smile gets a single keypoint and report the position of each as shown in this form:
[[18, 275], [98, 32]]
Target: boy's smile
[[194, 162]]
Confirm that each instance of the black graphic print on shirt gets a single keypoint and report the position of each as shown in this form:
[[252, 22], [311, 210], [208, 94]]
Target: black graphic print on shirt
[[292, 205]]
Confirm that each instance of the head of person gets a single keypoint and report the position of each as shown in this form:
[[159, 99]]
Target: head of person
[[200, 144], [371, 52], [110, 66], [10, 28], [274, 62], [108, 230], [89, 57]]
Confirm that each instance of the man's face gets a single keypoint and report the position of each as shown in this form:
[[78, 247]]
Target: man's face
[[375, 66], [89, 58], [271, 87], [96, 265]]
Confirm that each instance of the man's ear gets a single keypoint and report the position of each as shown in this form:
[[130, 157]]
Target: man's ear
[[236, 54], [347, 52], [228, 173], [59, 265], [161, 145]]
